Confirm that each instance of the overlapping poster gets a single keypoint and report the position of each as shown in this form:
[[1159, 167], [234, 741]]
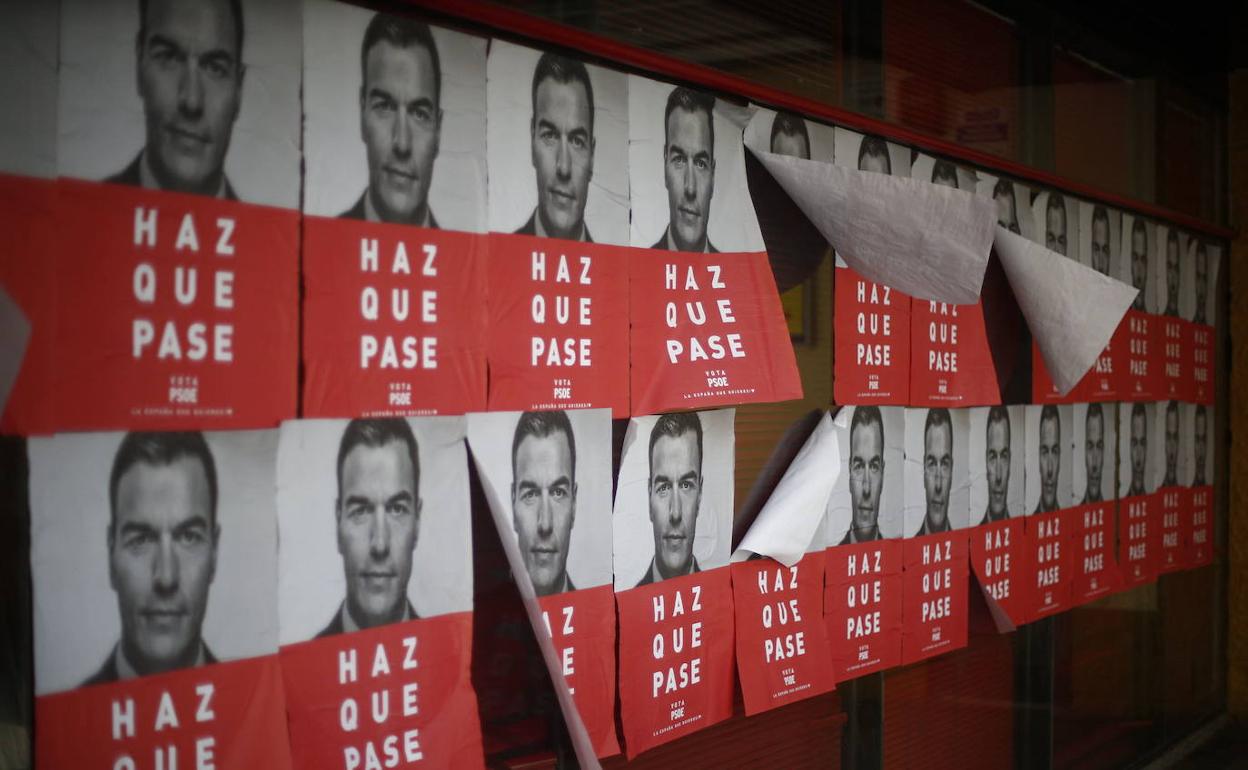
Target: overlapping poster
[[1172, 499], [672, 532], [707, 325], [1049, 498], [1138, 337], [871, 351], [998, 548], [1055, 223], [177, 230], [1139, 517], [154, 558], [1199, 481], [864, 527], [547, 477], [375, 593], [394, 204], [558, 275], [1093, 520], [935, 551], [1176, 376], [1204, 260], [1100, 249]]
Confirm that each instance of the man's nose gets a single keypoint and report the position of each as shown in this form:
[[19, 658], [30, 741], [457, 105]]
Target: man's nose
[[165, 568], [563, 161], [191, 92], [545, 518], [401, 140], [691, 183], [676, 510], [379, 536]]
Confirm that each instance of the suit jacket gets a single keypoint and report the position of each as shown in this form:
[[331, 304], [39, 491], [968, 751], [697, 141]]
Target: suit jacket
[[648, 578], [335, 624], [108, 672], [359, 212], [989, 519], [133, 177], [661, 244], [530, 228]]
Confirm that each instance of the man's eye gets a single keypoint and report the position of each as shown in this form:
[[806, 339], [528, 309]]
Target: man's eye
[[856, 466], [579, 142], [383, 107], [663, 488], [398, 509], [190, 537], [702, 164], [423, 115], [139, 540], [686, 485], [558, 493], [528, 495], [216, 69], [876, 466], [677, 160]]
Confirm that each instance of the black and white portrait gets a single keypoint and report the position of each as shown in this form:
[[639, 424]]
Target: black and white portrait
[[1173, 246], [374, 521], [1055, 222], [790, 134], [1169, 470], [673, 501], [1202, 264], [996, 462], [866, 500], [937, 474], [558, 146], [686, 171], [28, 41], [548, 478], [1095, 428], [1197, 448], [1138, 263], [1012, 201], [944, 172], [150, 553], [1050, 456], [395, 119], [1138, 448], [191, 96], [1100, 229]]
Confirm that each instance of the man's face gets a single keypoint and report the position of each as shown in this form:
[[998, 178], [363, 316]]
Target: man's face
[[543, 506], [1172, 442], [1202, 434], [946, 178], [1100, 245], [400, 123], [1055, 229], [997, 463], [1139, 259], [877, 162], [675, 493], [1050, 461], [162, 557], [937, 472], [1202, 280], [378, 521], [689, 163], [190, 78], [866, 474], [1172, 273], [1007, 214], [793, 145], [1094, 450], [1138, 449], [563, 155]]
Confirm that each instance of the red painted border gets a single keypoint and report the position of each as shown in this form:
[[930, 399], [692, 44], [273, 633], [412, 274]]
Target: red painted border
[[523, 24]]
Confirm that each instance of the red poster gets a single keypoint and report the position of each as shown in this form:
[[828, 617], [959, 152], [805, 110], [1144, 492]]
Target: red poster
[[1049, 563], [174, 311], [391, 696], [394, 319], [1176, 376], [1138, 340], [950, 364], [862, 607], [581, 625], [871, 354], [998, 558], [1199, 350], [1200, 544], [676, 654], [224, 715], [27, 219], [1139, 525], [782, 646], [558, 324], [1173, 515], [707, 330], [934, 611], [1094, 563]]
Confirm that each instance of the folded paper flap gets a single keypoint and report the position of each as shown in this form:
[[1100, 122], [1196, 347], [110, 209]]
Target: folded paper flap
[[926, 240], [787, 524], [1071, 309], [14, 336]]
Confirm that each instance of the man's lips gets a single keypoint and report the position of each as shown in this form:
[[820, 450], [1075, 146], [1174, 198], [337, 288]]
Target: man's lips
[[186, 136], [399, 176], [689, 213], [561, 198]]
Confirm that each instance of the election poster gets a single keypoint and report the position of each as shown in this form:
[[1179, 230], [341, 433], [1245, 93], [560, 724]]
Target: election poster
[[1172, 497], [1199, 482], [997, 500], [1139, 515], [1139, 334], [1092, 518]]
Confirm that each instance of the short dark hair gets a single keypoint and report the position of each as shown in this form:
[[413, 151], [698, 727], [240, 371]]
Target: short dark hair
[[1049, 412], [541, 425], [943, 168], [1137, 410], [404, 32], [565, 71], [1003, 187], [675, 425], [1094, 410], [376, 432], [1056, 201], [995, 415], [1099, 213], [692, 101], [938, 417], [865, 416], [236, 10], [161, 448], [874, 145], [790, 125]]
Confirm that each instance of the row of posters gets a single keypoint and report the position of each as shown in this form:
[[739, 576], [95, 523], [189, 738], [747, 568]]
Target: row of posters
[[197, 593], [213, 159]]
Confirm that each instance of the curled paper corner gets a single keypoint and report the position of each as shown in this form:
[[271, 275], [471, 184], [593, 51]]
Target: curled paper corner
[[927, 240], [791, 517], [14, 337], [1071, 309], [1000, 618], [740, 115]]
